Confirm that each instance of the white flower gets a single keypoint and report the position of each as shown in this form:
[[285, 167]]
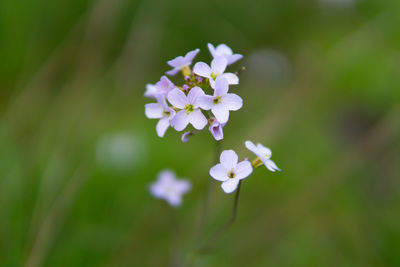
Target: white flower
[[218, 66], [181, 62], [162, 111], [225, 51], [221, 102], [190, 112], [170, 188], [264, 153], [229, 171]]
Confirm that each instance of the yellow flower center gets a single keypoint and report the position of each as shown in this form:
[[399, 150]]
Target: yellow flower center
[[189, 108]]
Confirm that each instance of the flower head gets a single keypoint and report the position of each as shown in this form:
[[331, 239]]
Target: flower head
[[229, 171], [189, 109], [170, 188], [225, 51], [218, 66], [221, 102], [162, 111], [216, 129], [264, 153], [180, 62]]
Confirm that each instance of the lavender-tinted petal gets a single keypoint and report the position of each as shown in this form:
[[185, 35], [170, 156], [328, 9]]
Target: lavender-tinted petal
[[221, 86], [230, 185], [271, 165], [233, 58], [219, 173], [194, 93], [232, 101], [177, 98], [211, 48], [202, 69], [154, 110], [218, 65], [205, 102], [251, 146], [180, 121], [228, 159], [231, 78], [243, 169], [190, 56], [173, 72], [223, 49], [221, 112], [162, 126], [176, 62], [197, 119]]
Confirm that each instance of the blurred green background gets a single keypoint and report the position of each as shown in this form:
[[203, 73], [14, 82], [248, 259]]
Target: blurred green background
[[321, 89]]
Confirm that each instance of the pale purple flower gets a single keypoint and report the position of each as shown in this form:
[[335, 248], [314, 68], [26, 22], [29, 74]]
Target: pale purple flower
[[164, 86], [169, 188], [151, 91], [162, 111], [190, 112], [186, 135], [229, 171], [180, 62], [221, 102], [218, 66], [264, 153], [216, 129], [225, 51]]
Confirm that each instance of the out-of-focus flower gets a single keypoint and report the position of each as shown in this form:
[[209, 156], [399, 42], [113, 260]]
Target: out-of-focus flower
[[218, 66], [264, 154], [160, 110], [169, 188], [216, 129], [225, 51], [186, 135], [151, 91], [229, 171], [189, 109], [180, 62], [221, 102]]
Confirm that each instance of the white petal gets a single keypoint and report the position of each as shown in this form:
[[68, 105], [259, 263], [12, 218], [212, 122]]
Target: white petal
[[219, 173], [252, 147], [221, 112], [194, 93], [202, 69], [223, 49], [154, 110], [151, 90], [197, 119], [211, 48], [190, 56], [232, 101], [228, 159], [182, 186], [231, 78], [177, 98], [174, 200], [221, 86], [218, 65], [233, 58], [243, 169], [180, 121], [172, 72], [162, 126], [176, 62], [265, 152], [271, 165], [205, 102], [230, 185]]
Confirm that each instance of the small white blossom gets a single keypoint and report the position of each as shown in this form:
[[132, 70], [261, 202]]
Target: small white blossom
[[162, 111], [218, 66], [225, 51], [180, 62], [229, 171], [170, 188], [264, 153]]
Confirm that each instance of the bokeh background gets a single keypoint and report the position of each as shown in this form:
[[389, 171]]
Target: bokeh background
[[321, 89]]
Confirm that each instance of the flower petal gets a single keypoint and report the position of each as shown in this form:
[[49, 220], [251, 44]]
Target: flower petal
[[271, 165], [190, 56], [211, 48], [265, 152], [154, 110], [231, 78], [174, 199], [197, 119], [230, 185], [182, 186], [176, 62], [180, 121], [232, 101], [243, 169], [205, 102], [223, 49], [221, 86], [228, 159], [202, 69], [252, 147], [162, 126], [233, 58], [194, 93], [219, 173], [221, 112], [172, 72], [218, 65], [177, 98]]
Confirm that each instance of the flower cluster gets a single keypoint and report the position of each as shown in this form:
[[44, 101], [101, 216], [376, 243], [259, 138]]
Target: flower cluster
[[201, 98], [230, 171]]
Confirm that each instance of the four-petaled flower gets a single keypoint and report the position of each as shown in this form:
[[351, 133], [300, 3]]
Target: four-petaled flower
[[189, 109], [180, 62], [162, 111], [225, 51], [218, 66], [170, 188], [229, 171], [221, 102], [264, 154]]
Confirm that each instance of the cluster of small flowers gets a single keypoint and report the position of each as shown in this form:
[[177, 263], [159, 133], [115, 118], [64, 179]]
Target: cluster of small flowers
[[179, 106]]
